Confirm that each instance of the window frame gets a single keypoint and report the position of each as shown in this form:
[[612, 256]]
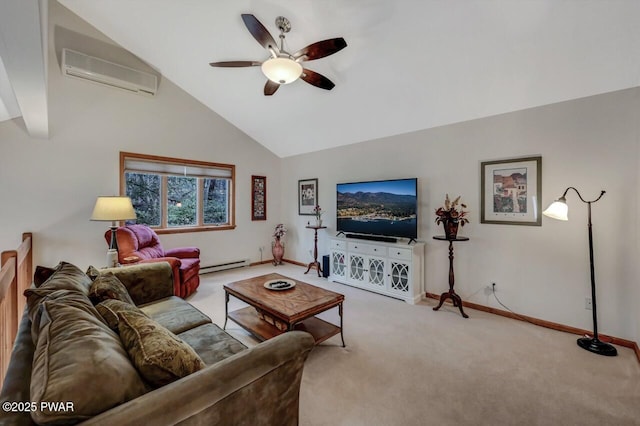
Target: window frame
[[200, 227]]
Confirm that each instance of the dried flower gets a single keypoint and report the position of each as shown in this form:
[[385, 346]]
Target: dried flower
[[280, 231], [317, 211], [451, 212]]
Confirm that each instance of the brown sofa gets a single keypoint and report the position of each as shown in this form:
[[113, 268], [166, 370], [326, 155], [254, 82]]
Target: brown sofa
[[237, 386]]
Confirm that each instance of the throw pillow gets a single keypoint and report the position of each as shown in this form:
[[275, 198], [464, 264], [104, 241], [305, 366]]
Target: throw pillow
[[92, 272], [108, 286], [158, 354], [66, 278], [78, 358], [41, 275], [109, 309]]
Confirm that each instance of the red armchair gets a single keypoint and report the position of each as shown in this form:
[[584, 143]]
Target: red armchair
[[140, 244]]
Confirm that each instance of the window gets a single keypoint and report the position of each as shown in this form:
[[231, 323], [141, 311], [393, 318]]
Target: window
[[175, 195]]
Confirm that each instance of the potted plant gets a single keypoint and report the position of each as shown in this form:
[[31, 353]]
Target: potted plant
[[277, 247], [451, 216], [317, 211]]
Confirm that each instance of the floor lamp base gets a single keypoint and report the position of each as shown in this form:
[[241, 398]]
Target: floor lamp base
[[597, 347]]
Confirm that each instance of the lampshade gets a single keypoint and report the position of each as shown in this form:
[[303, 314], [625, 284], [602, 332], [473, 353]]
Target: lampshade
[[111, 209], [281, 70], [557, 210]]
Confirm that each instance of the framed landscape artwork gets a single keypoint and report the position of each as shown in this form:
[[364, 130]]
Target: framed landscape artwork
[[258, 198], [511, 191], [307, 196]]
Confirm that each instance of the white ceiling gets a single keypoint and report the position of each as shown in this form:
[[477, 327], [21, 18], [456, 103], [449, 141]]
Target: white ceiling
[[409, 64]]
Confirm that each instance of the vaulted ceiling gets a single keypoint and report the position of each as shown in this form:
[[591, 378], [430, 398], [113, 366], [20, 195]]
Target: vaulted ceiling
[[409, 64]]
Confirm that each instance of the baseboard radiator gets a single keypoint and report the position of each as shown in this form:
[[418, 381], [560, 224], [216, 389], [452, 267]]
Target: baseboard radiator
[[224, 266]]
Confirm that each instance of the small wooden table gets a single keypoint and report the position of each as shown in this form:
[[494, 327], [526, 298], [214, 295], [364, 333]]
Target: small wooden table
[[315, 263], [451, 294], [283, 310]]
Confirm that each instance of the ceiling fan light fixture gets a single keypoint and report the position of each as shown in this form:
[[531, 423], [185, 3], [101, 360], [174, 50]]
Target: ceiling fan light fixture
[[281, 70]]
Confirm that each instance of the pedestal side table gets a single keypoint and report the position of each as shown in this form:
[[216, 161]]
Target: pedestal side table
[[451, 294], [315, 263]]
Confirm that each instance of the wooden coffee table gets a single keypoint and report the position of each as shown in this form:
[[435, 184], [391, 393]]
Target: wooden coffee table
[[273, 312]]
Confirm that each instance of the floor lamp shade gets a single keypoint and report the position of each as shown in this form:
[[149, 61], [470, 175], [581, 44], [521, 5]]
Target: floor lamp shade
[[558, 210], [113, 209]]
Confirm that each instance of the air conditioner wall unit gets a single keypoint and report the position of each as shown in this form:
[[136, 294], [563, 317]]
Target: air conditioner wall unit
[[85, 67]]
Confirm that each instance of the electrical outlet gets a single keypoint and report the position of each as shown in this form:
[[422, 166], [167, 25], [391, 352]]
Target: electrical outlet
[[588, 305]]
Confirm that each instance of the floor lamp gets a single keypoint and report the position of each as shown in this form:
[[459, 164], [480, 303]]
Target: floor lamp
[[558, 210], [113, 209]]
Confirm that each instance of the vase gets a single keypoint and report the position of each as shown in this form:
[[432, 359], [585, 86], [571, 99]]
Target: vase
[[277, 248], [451, 228], [318, 223]]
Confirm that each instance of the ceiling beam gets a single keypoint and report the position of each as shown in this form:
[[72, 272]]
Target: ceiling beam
[[23, 42]]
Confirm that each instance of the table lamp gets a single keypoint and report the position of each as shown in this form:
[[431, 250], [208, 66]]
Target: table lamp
[[558, 210], [113, 209]]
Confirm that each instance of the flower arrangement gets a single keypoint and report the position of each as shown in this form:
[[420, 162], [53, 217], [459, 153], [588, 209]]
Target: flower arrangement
[[280, 231], [451, 213], [317, 211]]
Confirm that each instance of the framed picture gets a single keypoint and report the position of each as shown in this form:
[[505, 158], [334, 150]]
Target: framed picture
[[307, 196], [511, 191], [258, 198]]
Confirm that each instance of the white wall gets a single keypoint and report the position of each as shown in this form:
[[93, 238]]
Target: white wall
[[49, 187], [543, 272]]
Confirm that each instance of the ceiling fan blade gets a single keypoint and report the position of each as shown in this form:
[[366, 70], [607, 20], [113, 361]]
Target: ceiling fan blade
[[321, 49], [270, 88], [259, 32], [316, 79], [235, 64]]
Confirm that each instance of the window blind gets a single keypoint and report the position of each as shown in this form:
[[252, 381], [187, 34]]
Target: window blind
[[135, 165]]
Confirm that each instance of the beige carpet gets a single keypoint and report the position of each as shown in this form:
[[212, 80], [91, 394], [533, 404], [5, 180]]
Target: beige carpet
[[410, 365]]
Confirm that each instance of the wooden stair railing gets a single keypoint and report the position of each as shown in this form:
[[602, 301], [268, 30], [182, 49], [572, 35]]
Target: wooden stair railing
[[15, 277]]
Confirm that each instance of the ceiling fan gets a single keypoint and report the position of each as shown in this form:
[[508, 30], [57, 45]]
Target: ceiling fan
[[283, 67]]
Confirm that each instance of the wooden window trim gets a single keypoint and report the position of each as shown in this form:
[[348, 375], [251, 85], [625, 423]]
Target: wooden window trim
[[164, 229]]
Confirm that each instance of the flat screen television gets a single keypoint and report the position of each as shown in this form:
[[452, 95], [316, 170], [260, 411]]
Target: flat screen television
[[383, 207]]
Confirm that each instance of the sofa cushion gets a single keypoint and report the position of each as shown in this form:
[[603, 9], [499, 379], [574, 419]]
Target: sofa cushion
[[109, 309], [211, 343], [175, 314], [158, 354], [145, 282], [66, 278], [187, 267], [80, 360], [42, 274], [108, 286], [147, 244]]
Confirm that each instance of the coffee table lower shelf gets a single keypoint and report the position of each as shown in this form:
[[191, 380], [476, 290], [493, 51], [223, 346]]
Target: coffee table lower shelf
[[248, 319]]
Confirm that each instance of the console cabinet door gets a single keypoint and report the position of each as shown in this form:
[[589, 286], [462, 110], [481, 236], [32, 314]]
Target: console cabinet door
[[376, 272], [357, 269], [399, 276], [338, 263]]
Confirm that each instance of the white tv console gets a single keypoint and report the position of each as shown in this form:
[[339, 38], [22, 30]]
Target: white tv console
[[391, 269]]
